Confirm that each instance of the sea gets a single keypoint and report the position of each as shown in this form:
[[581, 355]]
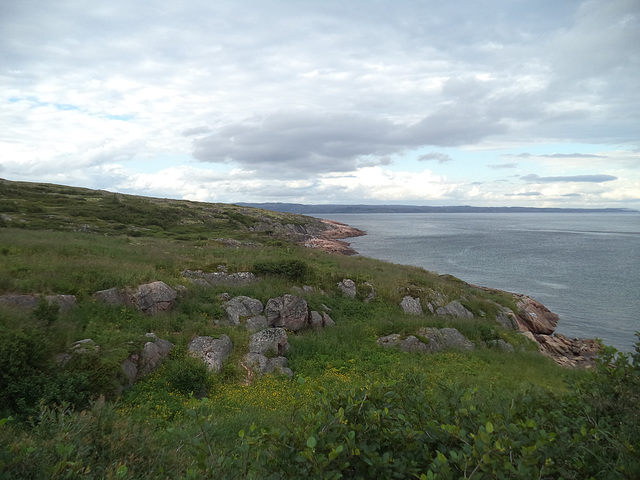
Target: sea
[[585, 267]]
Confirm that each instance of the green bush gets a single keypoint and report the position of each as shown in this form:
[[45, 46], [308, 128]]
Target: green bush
[[295, 270]]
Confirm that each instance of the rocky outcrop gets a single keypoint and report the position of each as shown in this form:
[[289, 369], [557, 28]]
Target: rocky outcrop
[[212, 351], [220, 277], [576, 352], [327, 237], [411, 305], [428, 340], [289, 311], [65, 302], [348, 288], [534, 317], [153, 354], [243, 307], [454, 309], [151, 298], [154, 297], [267, 350]]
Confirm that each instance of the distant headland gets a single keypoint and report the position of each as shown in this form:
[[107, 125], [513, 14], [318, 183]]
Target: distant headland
[[338, 208]]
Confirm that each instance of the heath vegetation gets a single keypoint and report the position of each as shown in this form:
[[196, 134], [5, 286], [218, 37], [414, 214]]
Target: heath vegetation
[[352, 410]]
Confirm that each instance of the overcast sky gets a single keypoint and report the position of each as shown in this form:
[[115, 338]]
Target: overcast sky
[[479, 102]]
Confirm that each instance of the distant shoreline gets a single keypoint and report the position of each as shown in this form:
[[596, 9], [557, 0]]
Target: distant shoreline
[[300, 208]]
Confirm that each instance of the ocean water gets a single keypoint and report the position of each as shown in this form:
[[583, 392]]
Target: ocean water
[[584, 267]]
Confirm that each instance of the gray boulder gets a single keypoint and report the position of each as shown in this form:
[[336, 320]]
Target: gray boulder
[[269, 342], [445, 338], [327, 321], [212, 351], [506, 319], [112, 296], [288, 311], [501, 345], [257, 323], [388, 341], [372, 294], [348, 288], [153, 354], [455, 309], [154, 297], [263, 365], [242, 306], [412, 344], [411, 305], [315, 320]]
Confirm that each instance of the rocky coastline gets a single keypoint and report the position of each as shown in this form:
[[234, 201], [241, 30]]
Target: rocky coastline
[[533, 319]]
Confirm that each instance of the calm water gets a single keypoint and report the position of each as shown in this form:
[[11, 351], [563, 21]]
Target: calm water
[[584, 267]]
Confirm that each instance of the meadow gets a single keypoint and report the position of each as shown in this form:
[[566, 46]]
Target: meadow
[[352, 410]]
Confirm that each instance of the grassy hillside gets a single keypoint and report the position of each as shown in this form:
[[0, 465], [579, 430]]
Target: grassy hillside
[[353, 408]]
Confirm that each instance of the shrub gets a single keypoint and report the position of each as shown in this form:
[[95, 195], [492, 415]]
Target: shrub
[[295, 270]]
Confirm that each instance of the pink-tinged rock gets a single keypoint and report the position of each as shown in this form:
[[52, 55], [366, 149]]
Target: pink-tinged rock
[[535, 317], [155, 297]]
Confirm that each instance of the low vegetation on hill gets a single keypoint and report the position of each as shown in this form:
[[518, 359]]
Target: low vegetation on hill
[[353, 407]]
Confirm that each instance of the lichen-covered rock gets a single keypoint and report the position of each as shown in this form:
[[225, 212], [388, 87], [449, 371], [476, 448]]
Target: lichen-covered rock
[[348, 288], [388, 341], [153, 354], [269, 342], [411, 305], [263, 365], [445, 338], [412, 344], [327, 321], [455, 309], [371, 296], [242, 306], [257, 323], [501, 345], [315, 320], [219, 278], [212, 351], [154, 297], [112, 296], [506, 319], [289, 311]]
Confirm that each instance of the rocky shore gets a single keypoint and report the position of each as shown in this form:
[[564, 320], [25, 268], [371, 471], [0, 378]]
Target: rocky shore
[[533, 319], [330, 239]]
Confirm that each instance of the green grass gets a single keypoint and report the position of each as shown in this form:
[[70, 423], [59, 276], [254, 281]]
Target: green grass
[[62, 240]]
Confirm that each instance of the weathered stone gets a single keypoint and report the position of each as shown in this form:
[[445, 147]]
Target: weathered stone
[[501, 344], [213, 352], [154, 297], [315, 321], [348, 288], [534, 317], [392, 340], [270, 342], [261, 364], [84, 346], [257, 323], [372, 294], [219, 278], [242, 306], [288, 311], [412, 344], [455, 309], [327, 321], [411, 305], [576, 352], [112, 296], [130, 369], [65, 302], [506, 319], [445, 338]]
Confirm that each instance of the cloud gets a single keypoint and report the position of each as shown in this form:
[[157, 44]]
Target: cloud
[[188, 132], [439, 157], [532, 178], [524, 194], [498, 166], [558, 155]]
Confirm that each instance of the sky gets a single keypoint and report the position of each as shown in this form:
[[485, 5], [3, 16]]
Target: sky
[[474, 102]]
